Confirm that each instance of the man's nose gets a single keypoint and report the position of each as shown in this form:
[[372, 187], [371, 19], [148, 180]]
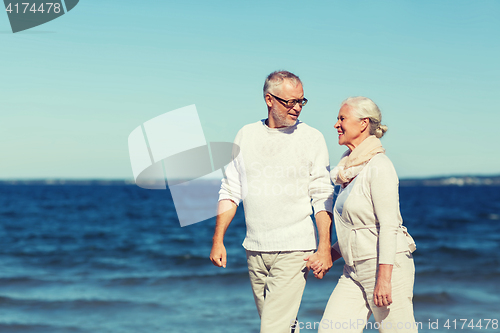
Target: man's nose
[[297, 107]]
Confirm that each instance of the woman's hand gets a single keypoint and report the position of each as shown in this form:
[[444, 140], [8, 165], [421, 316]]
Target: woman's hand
[[317, 266], [382, 295]]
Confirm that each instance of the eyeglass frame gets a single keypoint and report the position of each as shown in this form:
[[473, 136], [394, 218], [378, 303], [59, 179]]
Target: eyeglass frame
[[303, 101]]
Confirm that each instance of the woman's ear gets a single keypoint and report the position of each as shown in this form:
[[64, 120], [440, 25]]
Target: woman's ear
[[365, 124]]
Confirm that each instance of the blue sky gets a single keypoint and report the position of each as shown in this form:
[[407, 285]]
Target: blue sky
[[72, 90]]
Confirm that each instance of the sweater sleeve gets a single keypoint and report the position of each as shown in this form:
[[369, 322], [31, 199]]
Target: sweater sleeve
[[232, 187], [320, 186], [384, 185]]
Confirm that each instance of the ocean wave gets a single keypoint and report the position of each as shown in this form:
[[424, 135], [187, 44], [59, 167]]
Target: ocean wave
[[10, 214], [458, 251], [168, 277], [28, 281], [75, 304], [489, 216], [125, 278], [434, 298], [38, 328]]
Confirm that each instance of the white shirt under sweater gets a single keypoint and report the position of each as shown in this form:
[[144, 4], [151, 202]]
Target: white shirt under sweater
[[281, 174]]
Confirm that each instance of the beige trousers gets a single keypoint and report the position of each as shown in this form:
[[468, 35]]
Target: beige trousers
[[351, 303], [278, 280]]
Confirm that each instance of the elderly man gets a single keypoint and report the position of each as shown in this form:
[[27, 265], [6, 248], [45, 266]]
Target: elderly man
[[280, 174]]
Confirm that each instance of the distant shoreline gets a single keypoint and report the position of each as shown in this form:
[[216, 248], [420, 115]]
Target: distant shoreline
[[452, 181], [404, 182]]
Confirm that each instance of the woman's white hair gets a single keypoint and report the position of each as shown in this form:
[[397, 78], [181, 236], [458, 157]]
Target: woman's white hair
[[363, 107]]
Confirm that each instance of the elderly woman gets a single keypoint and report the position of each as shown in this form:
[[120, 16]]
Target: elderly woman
[[379, 271]]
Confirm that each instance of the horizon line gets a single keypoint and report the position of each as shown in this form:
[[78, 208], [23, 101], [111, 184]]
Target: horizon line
[[456, 180], [28, 179]]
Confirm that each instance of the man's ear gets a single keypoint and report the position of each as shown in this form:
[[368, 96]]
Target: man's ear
[[269, 100]]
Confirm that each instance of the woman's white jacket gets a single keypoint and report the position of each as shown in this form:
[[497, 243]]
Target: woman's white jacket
[[371, 225]]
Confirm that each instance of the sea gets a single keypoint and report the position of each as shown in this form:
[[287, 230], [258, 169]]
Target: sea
[[114, 259]]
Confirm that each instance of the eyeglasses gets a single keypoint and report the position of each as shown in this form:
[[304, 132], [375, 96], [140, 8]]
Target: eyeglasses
[[291, 102]]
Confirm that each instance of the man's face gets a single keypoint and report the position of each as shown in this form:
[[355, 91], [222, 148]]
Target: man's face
[[279, 114]]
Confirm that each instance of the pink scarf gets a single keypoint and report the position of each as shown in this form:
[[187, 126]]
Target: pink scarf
[[352, 162]]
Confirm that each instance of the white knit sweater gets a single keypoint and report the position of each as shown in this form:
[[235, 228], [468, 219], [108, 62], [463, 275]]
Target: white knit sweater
[[280, 175]]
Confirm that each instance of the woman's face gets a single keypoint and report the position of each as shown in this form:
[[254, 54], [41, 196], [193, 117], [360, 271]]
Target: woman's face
[[352, 131]]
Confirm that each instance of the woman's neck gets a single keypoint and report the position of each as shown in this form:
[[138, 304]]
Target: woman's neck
[[357, 141]]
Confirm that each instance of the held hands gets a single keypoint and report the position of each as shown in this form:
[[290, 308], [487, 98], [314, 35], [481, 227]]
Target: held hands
[[218, 255], [320, 262], [318, 267]]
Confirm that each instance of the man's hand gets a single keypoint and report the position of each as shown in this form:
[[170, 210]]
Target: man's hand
[[225, 214], [320, 262], [218, 255]]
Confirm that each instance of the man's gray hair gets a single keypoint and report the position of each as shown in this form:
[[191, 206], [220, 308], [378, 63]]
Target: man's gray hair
[[363, 107], [276, 78]]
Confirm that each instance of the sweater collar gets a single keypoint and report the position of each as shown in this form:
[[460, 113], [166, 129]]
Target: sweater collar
[[287, 130]]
